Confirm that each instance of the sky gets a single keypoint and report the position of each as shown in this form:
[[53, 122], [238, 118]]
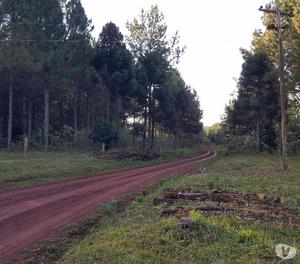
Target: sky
[[212, 31]]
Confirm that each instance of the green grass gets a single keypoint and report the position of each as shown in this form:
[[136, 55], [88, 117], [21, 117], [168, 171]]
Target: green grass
[[140, 235], [19, 170]]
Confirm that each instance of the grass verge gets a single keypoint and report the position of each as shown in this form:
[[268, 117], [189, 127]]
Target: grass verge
[[140, 235], [18, 170]]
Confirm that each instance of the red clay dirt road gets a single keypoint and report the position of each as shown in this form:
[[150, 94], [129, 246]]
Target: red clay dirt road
[[28, 215]]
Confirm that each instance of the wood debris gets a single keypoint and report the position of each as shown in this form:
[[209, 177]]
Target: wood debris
[[249, 207]]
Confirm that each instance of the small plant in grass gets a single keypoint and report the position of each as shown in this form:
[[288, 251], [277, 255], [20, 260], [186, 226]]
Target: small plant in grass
[[211, 185], [140, 199], [196, 216], [110, 209]]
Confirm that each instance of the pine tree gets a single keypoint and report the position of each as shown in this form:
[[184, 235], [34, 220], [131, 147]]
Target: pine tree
[[155, 54], [115, 65]]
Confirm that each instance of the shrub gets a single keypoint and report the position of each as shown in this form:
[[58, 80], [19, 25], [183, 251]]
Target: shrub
[[105, 132], [69, 139], [241, 144], [294, 146]]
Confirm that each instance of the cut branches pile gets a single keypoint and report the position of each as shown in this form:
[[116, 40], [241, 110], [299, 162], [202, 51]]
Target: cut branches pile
[[128, 154], [249, 207]]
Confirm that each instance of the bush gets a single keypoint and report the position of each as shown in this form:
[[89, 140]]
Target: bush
[[70, 139], [294, 146], [241, 144], [105, 132], [2, 142]]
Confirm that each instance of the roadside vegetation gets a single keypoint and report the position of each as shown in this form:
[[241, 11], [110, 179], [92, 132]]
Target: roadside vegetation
[[141, 235]]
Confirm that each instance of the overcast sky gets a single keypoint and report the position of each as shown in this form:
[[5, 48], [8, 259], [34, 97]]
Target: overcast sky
[[213, 32]]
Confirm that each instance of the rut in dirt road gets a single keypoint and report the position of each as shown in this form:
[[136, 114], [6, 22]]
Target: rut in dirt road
[[28, 215]]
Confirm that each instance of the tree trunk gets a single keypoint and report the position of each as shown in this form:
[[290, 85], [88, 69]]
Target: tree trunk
[[29, 119], [176, 140], [46, 118], [75, 111], [120, 114], [152, 134], [26, 141], [62, 114], [145, 128], [10, 112], [133, 134], [107, 108], [149, 131], [278, 133], [24, 115], [258, 142], [87, 113]]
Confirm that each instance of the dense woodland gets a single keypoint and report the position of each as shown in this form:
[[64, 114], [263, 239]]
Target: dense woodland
[[61, 86], [253, 115]]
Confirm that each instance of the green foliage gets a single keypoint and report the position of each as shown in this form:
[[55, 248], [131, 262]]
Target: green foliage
[[255, 110], [266, 43], [115, 65], [148, 36], [110, 209], [104, 132], [161, 86], [55, 76], [196, 216], [241, 144], [215, 134], [70, 139]]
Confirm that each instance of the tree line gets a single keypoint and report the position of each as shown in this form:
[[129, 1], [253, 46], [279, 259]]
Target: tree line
[[57, 81], [254, 111]]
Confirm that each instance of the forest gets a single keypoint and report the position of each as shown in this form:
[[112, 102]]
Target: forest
[[62, 89], [252, 119]]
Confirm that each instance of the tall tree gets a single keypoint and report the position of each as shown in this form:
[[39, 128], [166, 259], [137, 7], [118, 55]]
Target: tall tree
[[255, 110], [46, 32], [14, 56], [155, 54], [115, 66], [77, 51], [280, 44]]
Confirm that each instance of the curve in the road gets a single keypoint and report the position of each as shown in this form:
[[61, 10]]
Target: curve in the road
[[28, 215]]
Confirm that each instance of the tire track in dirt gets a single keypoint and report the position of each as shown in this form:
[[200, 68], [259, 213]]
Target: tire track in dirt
[[28, 215]]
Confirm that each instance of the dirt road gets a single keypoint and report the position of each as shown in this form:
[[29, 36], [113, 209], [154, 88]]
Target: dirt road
[[28, 215]]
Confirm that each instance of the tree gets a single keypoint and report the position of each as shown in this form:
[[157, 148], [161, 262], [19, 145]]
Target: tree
[[155, 54], [105, 133], [287, 39], [115, 66], [77, 51], [255, 110], [14, 56], [53, 76], [47, 31]]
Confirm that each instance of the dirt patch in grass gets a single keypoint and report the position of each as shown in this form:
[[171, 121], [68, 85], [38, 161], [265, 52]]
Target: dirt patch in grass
[[249, 207]]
